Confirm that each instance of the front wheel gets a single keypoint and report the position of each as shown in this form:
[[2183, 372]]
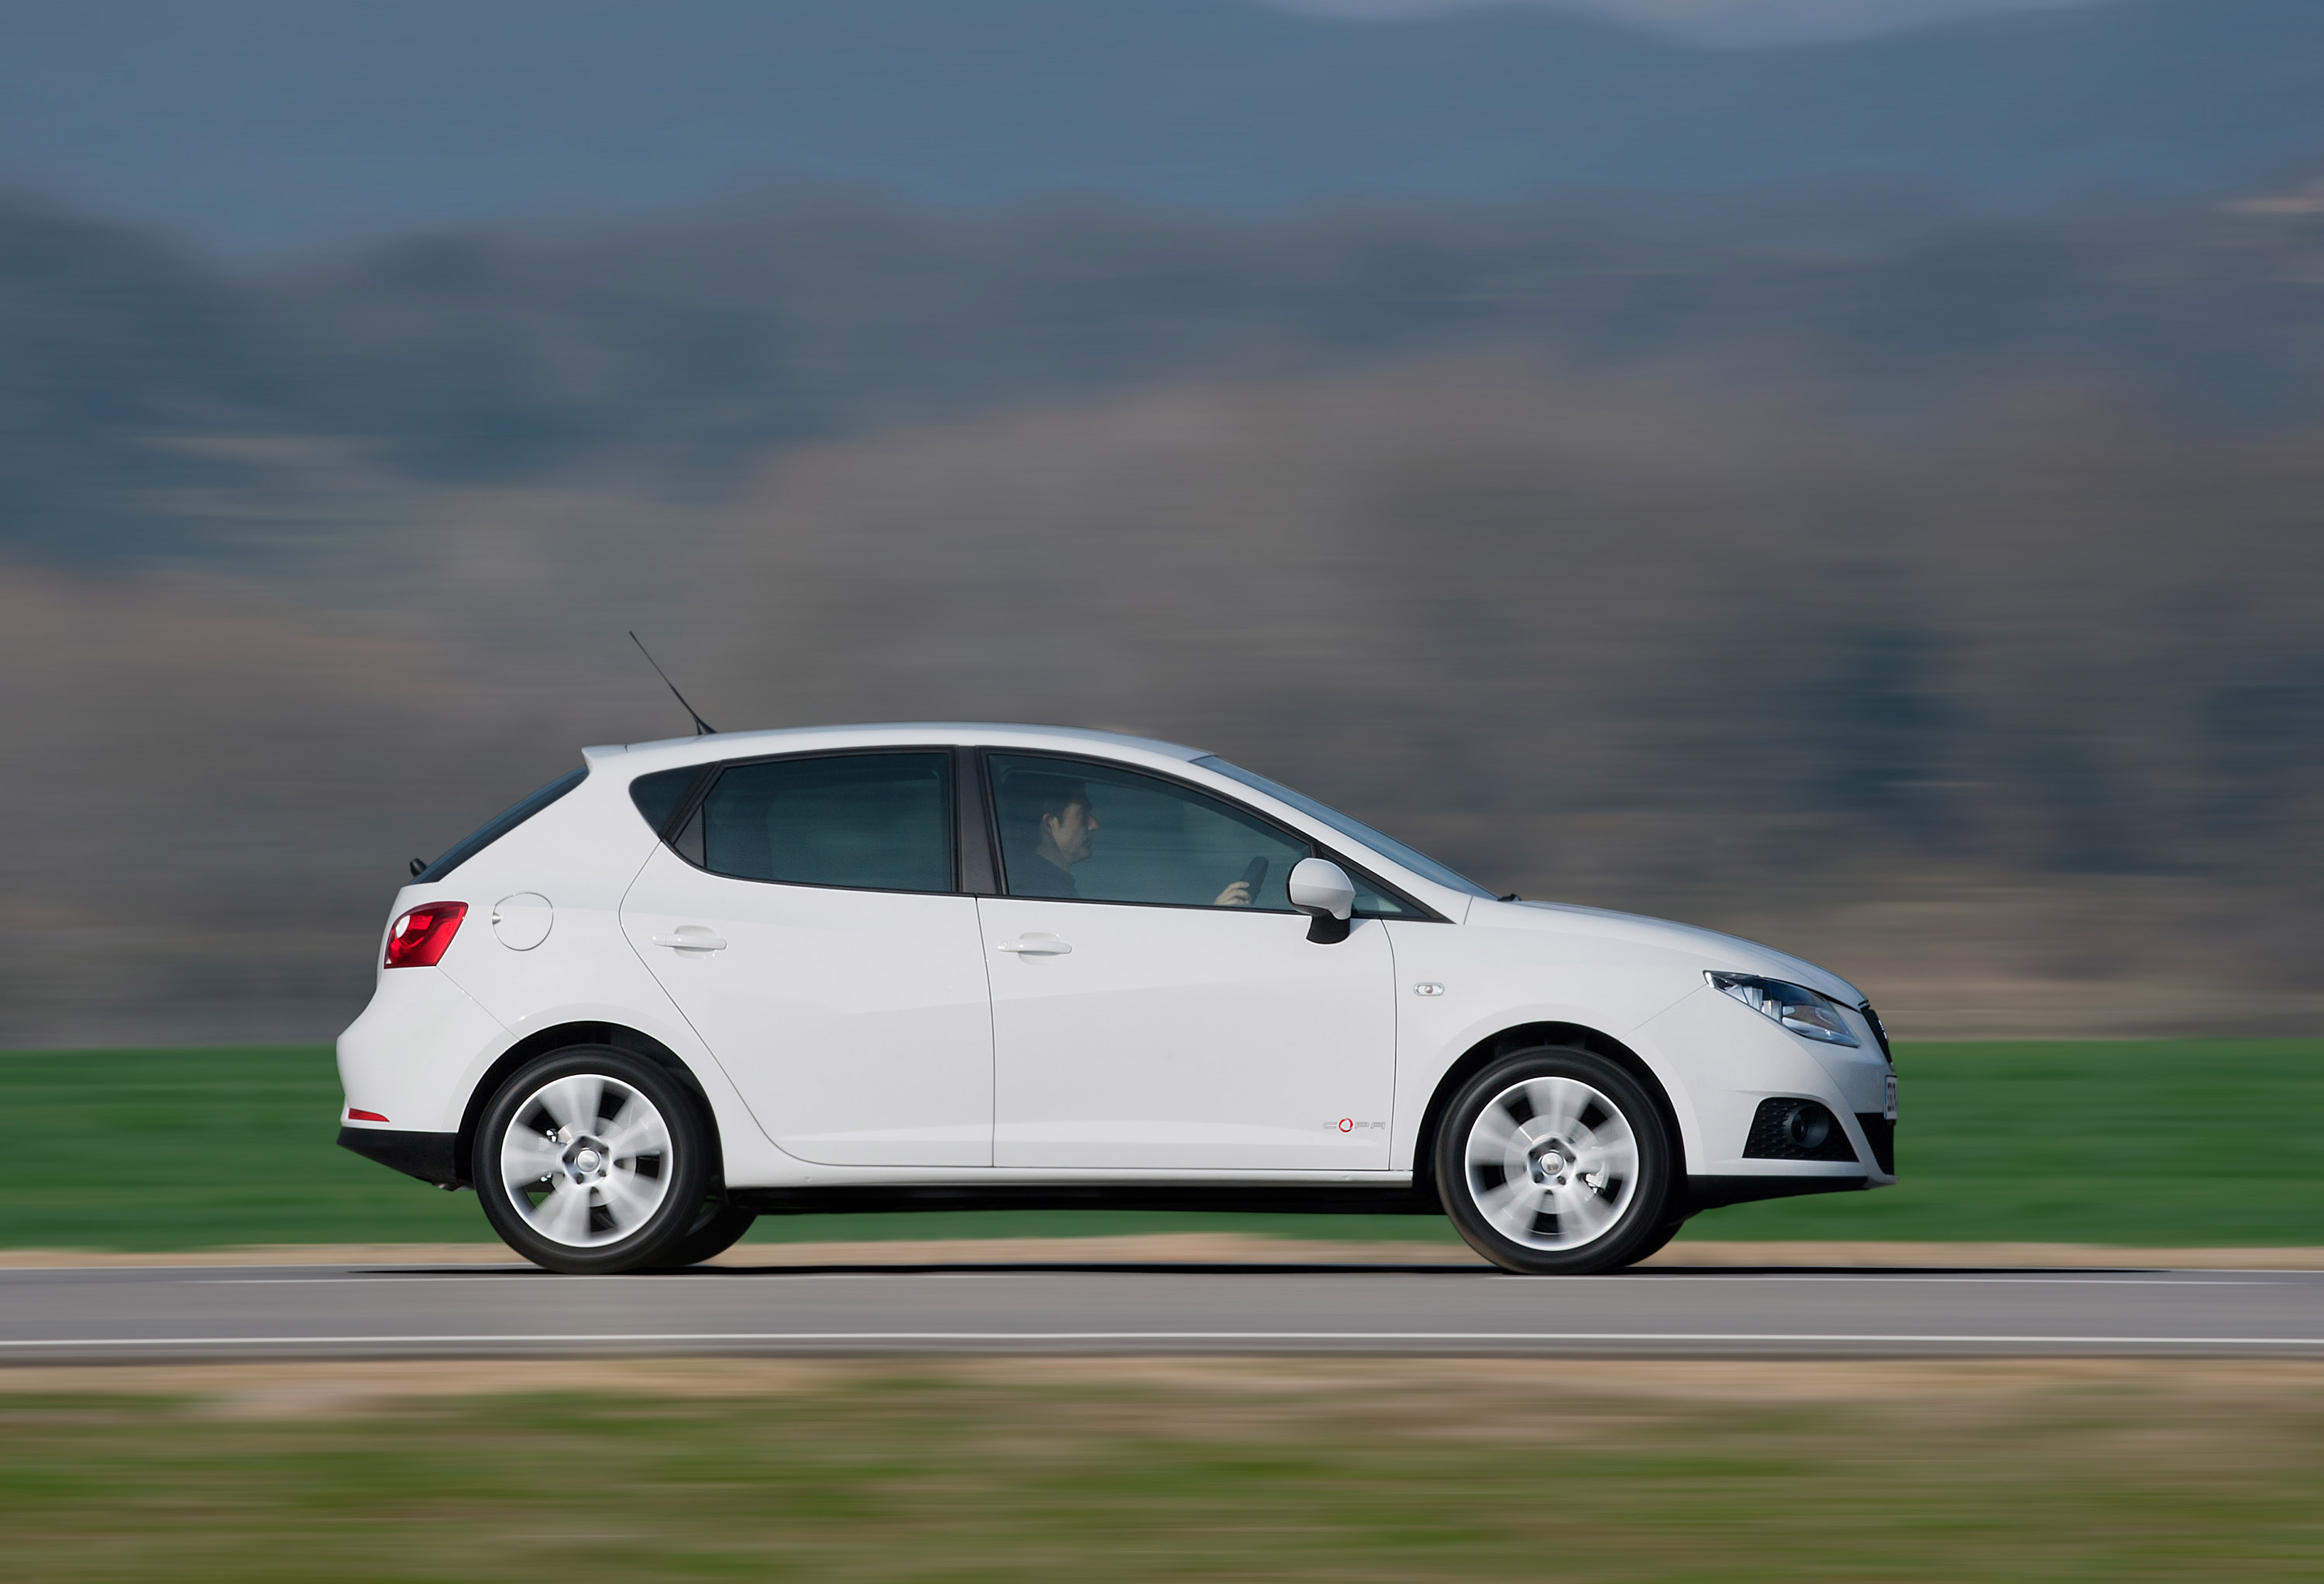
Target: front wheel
[[1671, 1228], [1555, 1162], [591, 1160]]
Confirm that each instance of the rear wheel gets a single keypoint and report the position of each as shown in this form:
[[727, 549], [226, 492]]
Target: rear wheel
[[593, 1160], [719, 1227], [1554, 1161]]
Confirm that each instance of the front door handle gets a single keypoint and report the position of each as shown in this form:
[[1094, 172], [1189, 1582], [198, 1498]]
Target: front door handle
[[692, 938], [1038, 944]]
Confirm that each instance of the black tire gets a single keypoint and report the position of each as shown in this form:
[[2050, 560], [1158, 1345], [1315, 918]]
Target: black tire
[[719, 1227], [672, 1168], [1519, 1184], [1661, 1239]]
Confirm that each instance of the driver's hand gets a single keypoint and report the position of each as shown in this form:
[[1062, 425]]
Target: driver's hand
[[1237, 894]]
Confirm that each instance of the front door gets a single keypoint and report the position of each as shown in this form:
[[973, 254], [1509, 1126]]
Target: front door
[[1156, 1002], [812, 936]]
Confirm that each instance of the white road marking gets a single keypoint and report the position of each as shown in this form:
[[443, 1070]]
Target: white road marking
[[1818, 1339]]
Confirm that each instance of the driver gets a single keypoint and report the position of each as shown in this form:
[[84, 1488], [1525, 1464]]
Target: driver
[[1058, 808]]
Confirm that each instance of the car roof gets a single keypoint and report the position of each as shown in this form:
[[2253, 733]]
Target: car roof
[[889, 734]]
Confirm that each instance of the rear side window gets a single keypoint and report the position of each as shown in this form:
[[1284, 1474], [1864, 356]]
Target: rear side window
[[876, 822], [483, 836]]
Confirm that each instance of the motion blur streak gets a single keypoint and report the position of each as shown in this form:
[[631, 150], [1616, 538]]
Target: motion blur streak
[[1931, 587]]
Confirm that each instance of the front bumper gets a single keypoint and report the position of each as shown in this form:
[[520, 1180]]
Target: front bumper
[[1730, 1060], [1715, 1191]]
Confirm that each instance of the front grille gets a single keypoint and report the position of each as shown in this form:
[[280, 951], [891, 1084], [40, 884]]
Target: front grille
[[1879, 1031], [1881, 1132], [1795, 1130]]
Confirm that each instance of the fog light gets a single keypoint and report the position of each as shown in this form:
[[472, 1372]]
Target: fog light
[[1796, 1131]]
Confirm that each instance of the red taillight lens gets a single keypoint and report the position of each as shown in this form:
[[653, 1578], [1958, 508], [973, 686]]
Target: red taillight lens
[[418, 938]]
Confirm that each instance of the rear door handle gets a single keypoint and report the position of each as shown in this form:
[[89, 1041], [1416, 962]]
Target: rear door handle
[[1036, 944], [692, 940]]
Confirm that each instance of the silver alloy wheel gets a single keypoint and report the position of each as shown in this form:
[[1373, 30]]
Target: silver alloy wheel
[[1552, 1163], [585, 1160]]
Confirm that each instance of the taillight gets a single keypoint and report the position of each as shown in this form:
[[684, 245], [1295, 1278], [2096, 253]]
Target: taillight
[[420, 937]]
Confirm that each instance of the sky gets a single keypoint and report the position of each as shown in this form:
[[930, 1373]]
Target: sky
[[267, 128], [1726, 22]]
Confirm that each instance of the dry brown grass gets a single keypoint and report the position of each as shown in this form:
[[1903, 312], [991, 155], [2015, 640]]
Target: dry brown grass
[[1163, 1469]]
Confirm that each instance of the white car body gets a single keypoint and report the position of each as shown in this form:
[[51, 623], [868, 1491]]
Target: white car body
[[873, 1047]]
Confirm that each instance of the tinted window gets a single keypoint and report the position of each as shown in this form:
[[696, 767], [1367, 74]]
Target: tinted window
[[877, 822], [658, 795], [1071, 828], [485, 835]]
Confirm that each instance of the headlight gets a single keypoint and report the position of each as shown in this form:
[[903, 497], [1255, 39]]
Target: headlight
[[1794, 1006]]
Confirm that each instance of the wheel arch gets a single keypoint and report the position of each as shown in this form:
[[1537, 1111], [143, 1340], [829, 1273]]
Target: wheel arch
[[557, 1037], [1528, 1036]]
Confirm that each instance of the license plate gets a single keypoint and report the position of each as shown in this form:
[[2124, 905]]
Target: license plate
[[1891, 1111]]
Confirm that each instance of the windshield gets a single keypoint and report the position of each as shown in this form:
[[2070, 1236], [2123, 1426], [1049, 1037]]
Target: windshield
[[1388, 847]]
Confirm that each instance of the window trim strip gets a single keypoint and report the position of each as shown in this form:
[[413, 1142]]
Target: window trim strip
[[976, 853]]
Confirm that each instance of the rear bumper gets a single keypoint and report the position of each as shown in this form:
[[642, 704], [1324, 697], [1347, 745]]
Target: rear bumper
[[432, 1157]]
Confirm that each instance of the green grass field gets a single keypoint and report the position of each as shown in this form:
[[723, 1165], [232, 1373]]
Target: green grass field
[[1272, 1472], [2154, 1143]]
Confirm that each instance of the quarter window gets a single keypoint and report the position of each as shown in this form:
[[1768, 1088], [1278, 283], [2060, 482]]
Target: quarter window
[[877, 822], [658, 795]]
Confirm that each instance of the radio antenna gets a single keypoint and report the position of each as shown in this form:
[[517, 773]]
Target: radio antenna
[[702, 728]]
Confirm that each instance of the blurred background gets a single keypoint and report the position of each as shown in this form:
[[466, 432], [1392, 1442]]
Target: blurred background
[[1849, 472]]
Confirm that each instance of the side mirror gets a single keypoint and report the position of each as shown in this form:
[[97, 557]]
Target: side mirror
[[1322, 890]]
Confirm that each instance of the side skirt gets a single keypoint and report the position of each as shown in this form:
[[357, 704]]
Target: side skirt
[[1255, 1198]]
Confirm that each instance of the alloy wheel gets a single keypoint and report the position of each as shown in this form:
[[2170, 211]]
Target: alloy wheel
[[1552, 1163], [585, 1160]]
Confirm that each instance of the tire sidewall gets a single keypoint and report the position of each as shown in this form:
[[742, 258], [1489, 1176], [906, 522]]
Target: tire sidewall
[[1638, 1232], [690, 1173], [719, 1227]]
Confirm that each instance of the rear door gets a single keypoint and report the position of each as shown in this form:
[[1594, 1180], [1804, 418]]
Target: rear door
[[806, 920]]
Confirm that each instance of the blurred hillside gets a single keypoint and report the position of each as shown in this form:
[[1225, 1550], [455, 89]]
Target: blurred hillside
[[1934, 596], [141, 389]]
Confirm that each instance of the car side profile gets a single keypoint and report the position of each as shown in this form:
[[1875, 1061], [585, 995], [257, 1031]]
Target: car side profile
[[956, 965]]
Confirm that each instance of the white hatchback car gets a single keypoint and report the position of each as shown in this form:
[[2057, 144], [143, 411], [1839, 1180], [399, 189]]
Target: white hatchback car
[[916, 966]]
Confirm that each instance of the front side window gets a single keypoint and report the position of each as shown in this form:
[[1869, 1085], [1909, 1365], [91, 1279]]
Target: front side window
[[1071, 828], [877, 822]]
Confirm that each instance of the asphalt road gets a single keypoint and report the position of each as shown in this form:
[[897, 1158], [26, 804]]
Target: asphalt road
[[181, 1313]]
